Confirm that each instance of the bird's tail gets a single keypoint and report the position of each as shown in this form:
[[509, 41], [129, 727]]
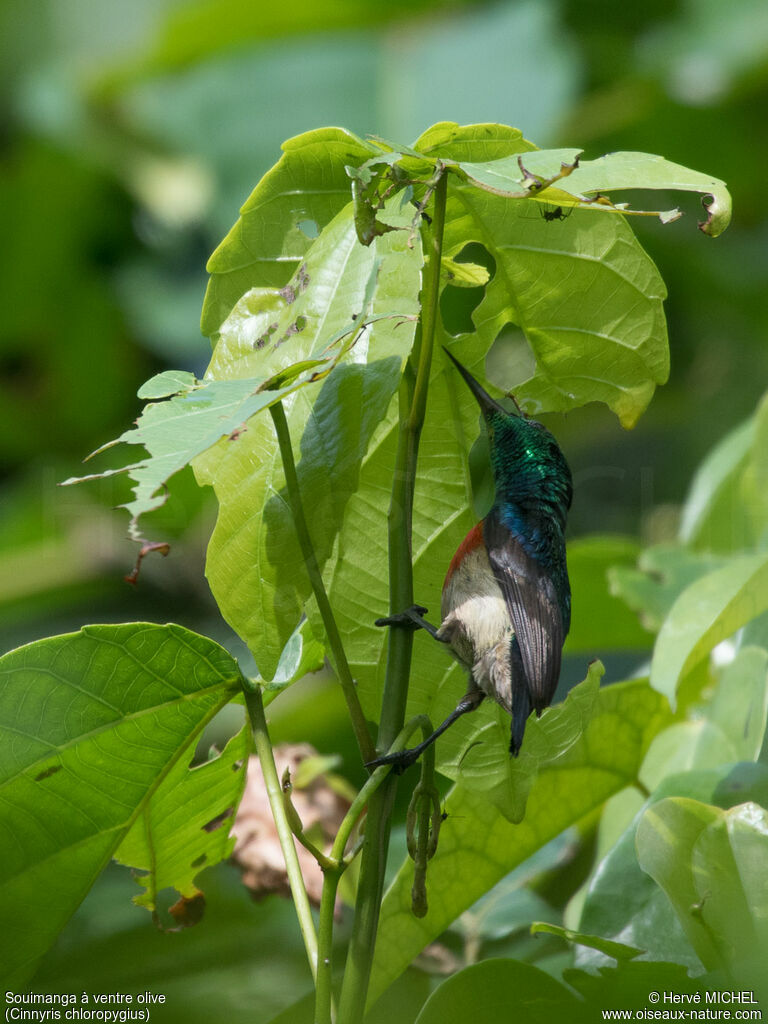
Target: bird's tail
[[521, 699]]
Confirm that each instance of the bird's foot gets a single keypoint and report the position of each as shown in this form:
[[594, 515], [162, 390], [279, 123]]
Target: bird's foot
[[400, 761], [411, 618]]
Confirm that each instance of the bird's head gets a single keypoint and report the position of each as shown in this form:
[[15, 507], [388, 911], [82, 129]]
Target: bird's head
[[527, 462]]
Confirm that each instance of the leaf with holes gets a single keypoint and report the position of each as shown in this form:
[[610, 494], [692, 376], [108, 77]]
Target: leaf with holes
[[184, 827], [584, 298], [92, 723], [555, 176], [266, 245], [200, 413], [255, 568]]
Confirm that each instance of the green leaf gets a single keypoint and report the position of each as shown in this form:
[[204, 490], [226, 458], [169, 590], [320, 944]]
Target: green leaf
[[617, 171], [729, 728], [615, 950], [754, 481], [474, 142], [206, 973], [478, 846], [357, 574], [711, 865], [582, 292], [708, 611], [663, 572], [463, 275], [170, 382], [624, 904], [516, 178], [484, 992], [301, 655], [266, 245], [254, 566], [600, 620], [184, 827], [713, 516], [92, 722], [479, 754], [627, 985], [177, 431]]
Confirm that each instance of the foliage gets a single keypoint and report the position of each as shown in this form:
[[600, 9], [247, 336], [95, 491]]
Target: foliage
[[326, 326]]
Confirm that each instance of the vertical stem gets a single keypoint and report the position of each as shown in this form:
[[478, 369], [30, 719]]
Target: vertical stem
[[318, 587], [323, 982], [255, 707], [413, 400]]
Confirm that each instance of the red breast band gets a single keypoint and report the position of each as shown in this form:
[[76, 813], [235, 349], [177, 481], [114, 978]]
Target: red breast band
[[473, 540]]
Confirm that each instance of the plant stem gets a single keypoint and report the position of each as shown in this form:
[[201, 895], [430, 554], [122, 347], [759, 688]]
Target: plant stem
[[335, 866], [413, 400], [341, 664], [255, 706], [323, 982]]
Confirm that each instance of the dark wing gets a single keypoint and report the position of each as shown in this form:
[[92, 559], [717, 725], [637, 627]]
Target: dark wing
[[533, 608]]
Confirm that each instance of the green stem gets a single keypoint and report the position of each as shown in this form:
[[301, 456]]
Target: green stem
[[323, 982], [255, 707], [413, 400], [338, 655], [335, 866]]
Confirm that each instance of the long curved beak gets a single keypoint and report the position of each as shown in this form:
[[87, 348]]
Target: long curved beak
[[484, 400]]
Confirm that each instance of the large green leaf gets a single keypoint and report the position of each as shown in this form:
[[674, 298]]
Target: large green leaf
[[91, 724], [582, 291], [194, 418], [711, 864], [624, 904], [484, 993], [255, 568], [308, 186], [184, 827], [555, 176], [480, 758], [478, 846], [618, 171], [206, 973], [443, 513], [710, 610]]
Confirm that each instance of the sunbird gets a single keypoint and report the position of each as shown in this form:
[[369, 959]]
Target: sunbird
[[506, 603]]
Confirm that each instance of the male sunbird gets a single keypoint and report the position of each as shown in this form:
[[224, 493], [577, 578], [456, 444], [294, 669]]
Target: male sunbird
[[506, 604]]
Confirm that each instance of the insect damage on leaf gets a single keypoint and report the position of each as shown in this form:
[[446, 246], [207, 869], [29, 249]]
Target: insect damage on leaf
[[218, 820], [187, 912], [293, 289]]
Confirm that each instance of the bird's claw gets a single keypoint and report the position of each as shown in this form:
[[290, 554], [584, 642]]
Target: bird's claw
[[408, 618], [400, 760]]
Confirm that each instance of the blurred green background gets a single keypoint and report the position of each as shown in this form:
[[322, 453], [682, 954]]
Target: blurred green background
[[132, 133]]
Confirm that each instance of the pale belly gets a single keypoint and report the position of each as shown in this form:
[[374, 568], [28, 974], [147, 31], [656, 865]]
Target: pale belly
[[476, 625]]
